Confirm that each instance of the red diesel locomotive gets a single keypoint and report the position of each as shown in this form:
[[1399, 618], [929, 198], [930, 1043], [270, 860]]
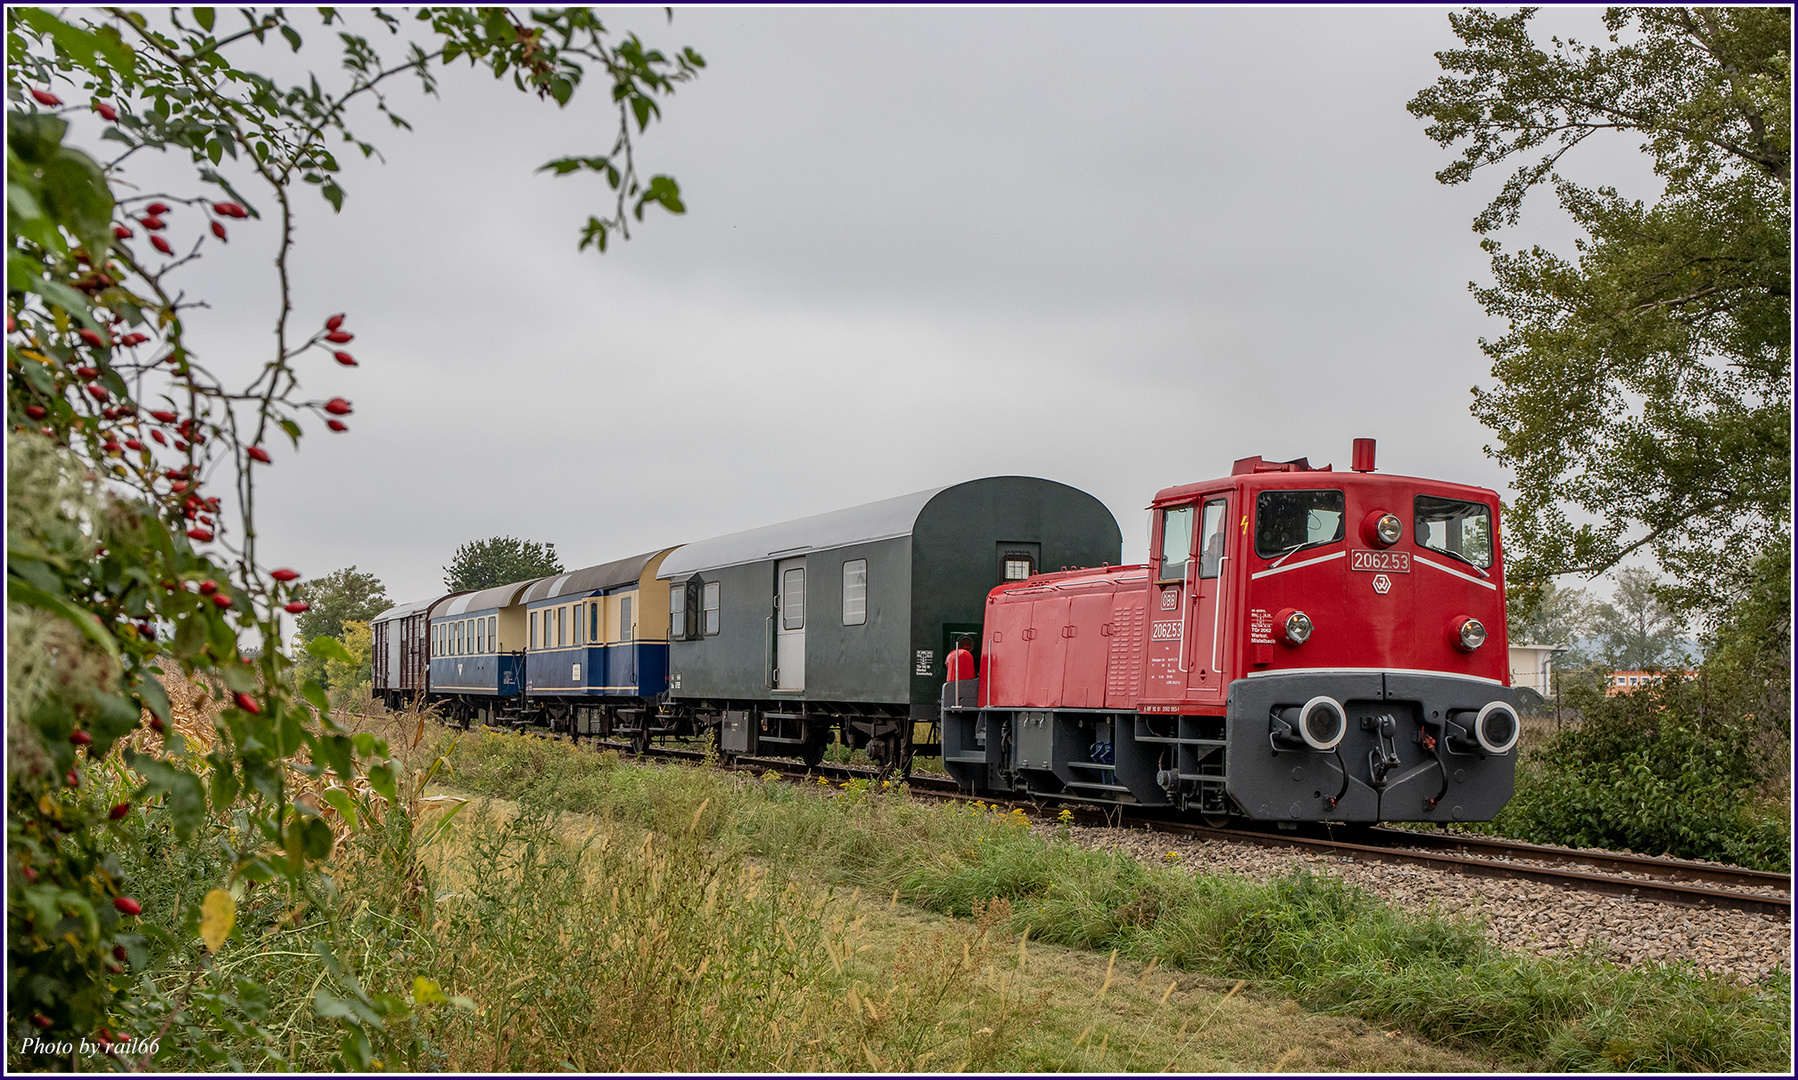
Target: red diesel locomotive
[[1303, 645]]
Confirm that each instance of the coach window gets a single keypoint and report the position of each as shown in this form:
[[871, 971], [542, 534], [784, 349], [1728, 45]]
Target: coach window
[[561, 626], [711, 607], [533, 629], [493, 632], [1455, 527], [480, 635], [624, 619], [855, 592], [1289, 521], [677, 612], [1176, 542], [593, 622]]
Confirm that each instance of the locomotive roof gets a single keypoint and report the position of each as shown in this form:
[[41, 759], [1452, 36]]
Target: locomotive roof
[[862, 524], [1273, 475], [588, 579], [497, 597]]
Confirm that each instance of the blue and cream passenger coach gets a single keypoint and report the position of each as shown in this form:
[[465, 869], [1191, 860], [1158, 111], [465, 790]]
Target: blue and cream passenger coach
[[841, 621], [477, 652], [596, 643]]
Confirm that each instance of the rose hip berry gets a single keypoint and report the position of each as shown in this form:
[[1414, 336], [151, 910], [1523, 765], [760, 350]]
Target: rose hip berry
[[297, 607], [161, 245], [36, 412], [96, 391], [259, 454], [284, 574], [107, 112], [44, 97], [92, 338], [345, 359], [337, 425], [127, 905], [81, 738], [157, 208], [122, 232], [247, 703], [219, 231], [208, 587], [340, 337], [115, 814], [200, 534]]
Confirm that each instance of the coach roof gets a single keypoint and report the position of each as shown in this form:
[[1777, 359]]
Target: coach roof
[[589, 579], [863, 524], [497, 597]]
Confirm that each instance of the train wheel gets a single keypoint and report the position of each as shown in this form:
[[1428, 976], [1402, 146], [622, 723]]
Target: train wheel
[[812, 753], [640, 740], [1215, 821]]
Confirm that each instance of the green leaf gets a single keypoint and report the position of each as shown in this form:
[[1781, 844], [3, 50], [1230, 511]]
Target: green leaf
[[203, 16], [333, 194], [318, 839], [292, 36], [20, 591], [153, 697], [380, 778], [327, 648], [315, 695], [336, 750], [343, 803]]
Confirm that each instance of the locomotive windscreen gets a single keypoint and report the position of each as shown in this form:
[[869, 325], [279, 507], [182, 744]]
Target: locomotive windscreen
[[1288, 520], [1455, 527]]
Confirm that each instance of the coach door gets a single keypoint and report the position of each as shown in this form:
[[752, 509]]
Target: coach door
[[789, 624], [1205, 671]]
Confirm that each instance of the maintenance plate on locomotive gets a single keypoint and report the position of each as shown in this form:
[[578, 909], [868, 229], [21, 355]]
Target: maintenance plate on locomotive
[[1390, 562]]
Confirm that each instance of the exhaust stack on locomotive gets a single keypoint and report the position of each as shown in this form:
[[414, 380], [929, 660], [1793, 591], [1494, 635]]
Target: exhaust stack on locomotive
[[1303, 644]]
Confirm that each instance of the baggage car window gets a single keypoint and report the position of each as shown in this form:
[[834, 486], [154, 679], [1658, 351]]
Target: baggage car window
[[1211, 538], [1455, 527], [1176, 542], [677, 611], [711, 607], [792, 599], [855, 592], [1286, 521]]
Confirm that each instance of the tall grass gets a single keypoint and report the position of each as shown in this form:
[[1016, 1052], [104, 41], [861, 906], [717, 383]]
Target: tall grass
[[1328, 945]]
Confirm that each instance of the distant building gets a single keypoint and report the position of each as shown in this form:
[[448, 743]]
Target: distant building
[[1627, 682], [1530, 666]]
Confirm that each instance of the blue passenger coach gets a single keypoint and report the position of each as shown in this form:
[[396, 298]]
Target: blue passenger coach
[[478, 652], [596, 645]]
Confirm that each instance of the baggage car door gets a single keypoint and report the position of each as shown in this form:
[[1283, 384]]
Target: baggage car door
[[789, 624]]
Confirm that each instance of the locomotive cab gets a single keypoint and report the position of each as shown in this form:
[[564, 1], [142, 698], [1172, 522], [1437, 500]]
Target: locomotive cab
[[1303, 644]]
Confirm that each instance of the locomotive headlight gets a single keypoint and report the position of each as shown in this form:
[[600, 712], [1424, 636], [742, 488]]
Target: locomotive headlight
[[1382, 528], [1296, 626], [1497, 728], [1466, 633]]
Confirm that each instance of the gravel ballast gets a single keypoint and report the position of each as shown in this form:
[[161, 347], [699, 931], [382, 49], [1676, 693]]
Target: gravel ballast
[[1524, 915]]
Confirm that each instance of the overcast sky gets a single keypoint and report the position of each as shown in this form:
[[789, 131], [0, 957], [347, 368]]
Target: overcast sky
[[1114, 248]]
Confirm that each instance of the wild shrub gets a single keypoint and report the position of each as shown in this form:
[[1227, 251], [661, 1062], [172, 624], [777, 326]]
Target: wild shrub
[[1671, 769]]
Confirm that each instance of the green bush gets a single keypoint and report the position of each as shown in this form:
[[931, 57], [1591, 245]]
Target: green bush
[[1671, 769]]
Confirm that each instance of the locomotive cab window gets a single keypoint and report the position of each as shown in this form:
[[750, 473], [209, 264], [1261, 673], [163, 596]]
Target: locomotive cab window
[[1287, 521], [1176, 542], [1211, 538], [1455, 527]]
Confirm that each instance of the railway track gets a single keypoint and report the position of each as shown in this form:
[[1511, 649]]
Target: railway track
[[1639, 877]]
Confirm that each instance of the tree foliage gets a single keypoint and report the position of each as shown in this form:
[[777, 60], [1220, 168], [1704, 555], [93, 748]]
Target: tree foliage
[[125, 562], [1643, 387], [484, 564], [338, 597], [1636, 631]]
